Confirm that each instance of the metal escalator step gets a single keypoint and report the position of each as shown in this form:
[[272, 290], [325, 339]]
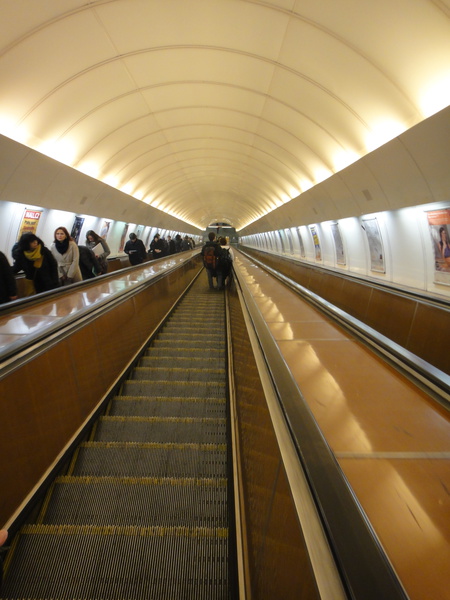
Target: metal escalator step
[[108, 563], [167, 407], [185, 389], [167, 349], [210, 338], [143, 502], [192, 325], [161, 429], [185, 362], [117, 459], [179, 374]]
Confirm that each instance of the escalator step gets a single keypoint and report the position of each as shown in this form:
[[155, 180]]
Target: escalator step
[[150, 460], [166, 407], [139, 502], [167, 350], [184, 389], [161, 429], [185, 362], [178, 374], [68, 562]]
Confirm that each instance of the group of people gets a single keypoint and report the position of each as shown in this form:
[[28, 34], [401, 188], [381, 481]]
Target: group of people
[[66, 262], [159, 247], [217, 259], [45, 268]]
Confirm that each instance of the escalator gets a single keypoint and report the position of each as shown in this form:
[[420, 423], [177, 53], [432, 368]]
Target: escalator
[[144, 510]]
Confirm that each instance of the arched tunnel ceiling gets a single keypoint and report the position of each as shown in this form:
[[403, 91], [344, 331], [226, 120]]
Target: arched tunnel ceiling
[[218, 110]]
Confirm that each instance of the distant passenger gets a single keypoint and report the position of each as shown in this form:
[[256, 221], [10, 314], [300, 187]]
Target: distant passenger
[[100, 248], [225, 263], [66, 254], [8, 287], [210, 254], [186, 244], [89, 265], [178, 242], [135, 249], [38, 264], [171, 245], [156, 249]]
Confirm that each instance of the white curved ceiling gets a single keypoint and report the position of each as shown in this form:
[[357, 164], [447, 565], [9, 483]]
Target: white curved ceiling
[[218, 110]]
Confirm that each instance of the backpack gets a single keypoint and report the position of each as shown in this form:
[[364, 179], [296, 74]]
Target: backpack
[[210, 258], [225, 260]]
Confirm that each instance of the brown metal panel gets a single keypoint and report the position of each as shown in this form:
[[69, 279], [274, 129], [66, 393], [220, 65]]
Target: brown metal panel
[[391, 315], [429, 336]]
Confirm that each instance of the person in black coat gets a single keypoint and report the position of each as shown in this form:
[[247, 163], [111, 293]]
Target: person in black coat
[[38, 264], [157, 247], [8, 287], [89, 265], [135, 249]]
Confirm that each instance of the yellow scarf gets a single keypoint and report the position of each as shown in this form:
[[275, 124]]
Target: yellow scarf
[[36, 256]]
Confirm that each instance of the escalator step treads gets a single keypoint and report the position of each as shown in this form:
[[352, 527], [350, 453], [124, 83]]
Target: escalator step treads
[[166, 407], [169, 350], [183, 389], [150, 460], [142, 502], [178, 374], [178, 362], [161, 429], [193, 326], [119, 562], [189, 342]]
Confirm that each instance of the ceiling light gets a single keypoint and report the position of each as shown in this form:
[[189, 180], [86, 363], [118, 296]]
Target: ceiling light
[[436, 96], [382, 133]]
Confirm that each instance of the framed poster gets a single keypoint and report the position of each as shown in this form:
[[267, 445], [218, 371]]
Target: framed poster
[[76, 228], [375, 242], [316, 241], [338, 245], [122, 239], [439, 226], [105, 229], [29, 222]]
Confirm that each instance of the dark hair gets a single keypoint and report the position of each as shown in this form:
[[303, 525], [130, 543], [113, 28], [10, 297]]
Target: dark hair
[[66, 233], [91, 233], [132, 236], [211, 236], [26, 239], [223, 241]]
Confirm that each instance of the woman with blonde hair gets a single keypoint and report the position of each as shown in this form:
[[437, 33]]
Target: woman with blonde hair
[[66, 254]]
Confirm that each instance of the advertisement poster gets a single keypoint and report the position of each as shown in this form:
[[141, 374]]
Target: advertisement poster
[[373, 234], [439, 226], [315, 237], [76, 228], [122, 239], [105, 229], [302, 246], [29, 222], [338, 245]]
